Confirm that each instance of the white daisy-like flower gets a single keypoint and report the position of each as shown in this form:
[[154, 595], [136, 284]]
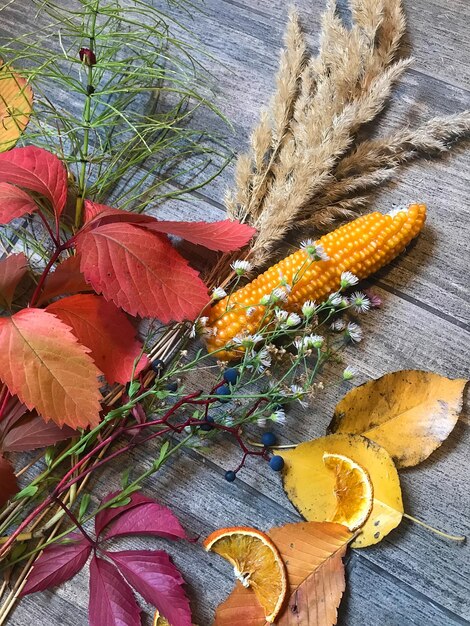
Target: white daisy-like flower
[[278, 416], [348, 279], [284, 283], [299, 394], [314, 250], [218, 293], [313, 341], [260, 361], [308, 308], [251, 310], [281, 315], [241, 267], [359, 302], [338, 325], [292, 320], [261, 421], [299, 345], [354, 332], [335, 299], [247, 341], [280, 294], [349, 372]]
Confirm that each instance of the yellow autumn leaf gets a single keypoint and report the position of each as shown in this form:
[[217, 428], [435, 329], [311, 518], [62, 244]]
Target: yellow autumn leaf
[[311, 486], [16, 99], [409, 413]]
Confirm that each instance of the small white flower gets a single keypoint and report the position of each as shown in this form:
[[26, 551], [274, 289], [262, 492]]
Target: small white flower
[[259, 361], [247, 341], [338, 325], [299, 345], [278, 416], [308, 308], [349, 372], [280, 294], [359, 302], [314, 250], [265, 300], [203, 321], [313, 341], [284, 283], [354, 332], [335, 299], [241, 267], [281, 315], [261, 421], [348, 279], [218, 293], [251, 310], [292, 320], [299, 394]]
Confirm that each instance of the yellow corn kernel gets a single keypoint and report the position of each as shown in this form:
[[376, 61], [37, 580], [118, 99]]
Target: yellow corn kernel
[[362, 247]]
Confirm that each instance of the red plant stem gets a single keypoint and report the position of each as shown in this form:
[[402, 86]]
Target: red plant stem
[[40, 285], [69, 513], [55, 238]]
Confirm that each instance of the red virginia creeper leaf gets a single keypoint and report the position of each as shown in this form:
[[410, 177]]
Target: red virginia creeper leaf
[[141, 272], [57, 564], [142, 516], [155, 577], [66, 279], [223, 236], [8, 485], [103, 328], [98, 214], [112, 602], [14, 202], [42, 363], [32, 432], [37, 170], [12, 270]]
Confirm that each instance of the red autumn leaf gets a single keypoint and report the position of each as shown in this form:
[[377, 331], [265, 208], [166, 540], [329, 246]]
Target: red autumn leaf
[[103, 328], [14, 202], [155, 577], [42, 363], [223, 236], [112, 602], [57, 564], [8, 484], [38, 170], [12, 270], [67, 279], [32, 432], [100, 214], [141, 516], [140, 272]]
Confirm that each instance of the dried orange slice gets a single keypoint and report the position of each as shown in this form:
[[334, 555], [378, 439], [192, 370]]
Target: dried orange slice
[[353, 490], [257, 564]]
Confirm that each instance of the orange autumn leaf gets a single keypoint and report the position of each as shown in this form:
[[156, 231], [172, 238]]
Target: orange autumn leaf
[[312, 552], [66, 279], [43, 364], [12, 269], [16, 99]]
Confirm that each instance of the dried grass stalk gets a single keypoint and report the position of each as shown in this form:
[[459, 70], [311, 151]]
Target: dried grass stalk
[[305, 166]]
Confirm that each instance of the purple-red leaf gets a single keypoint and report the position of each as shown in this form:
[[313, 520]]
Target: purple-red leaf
[[32, 432], [57, 564], [223, 236], [37, 170], [12, 270], [67, 279], [112, 602], [14, 202], [105, 329], [141, 272], [142, 516], [155, 577], [8, 485]]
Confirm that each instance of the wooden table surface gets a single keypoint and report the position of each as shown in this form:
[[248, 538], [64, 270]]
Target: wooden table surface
[[412, 576]]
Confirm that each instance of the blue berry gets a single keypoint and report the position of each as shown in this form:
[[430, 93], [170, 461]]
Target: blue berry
[[230, 476], [223, 390], [206, 427], [276, 463], [231, 375], [268, 439], [158, 366], [210, 419], [172, 387]]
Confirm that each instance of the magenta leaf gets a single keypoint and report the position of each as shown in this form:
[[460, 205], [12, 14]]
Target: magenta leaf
[[57, 564], [224, 236], [8, 484], [112, 602], [141, 516], [32, 432], [38, 170], [155, 577], [14, 202]]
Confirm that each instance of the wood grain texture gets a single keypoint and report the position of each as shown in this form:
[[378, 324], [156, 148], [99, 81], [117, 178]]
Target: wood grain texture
[[412, 577]]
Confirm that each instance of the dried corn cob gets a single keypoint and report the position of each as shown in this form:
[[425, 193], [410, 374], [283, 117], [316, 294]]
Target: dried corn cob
[[362, 247]]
